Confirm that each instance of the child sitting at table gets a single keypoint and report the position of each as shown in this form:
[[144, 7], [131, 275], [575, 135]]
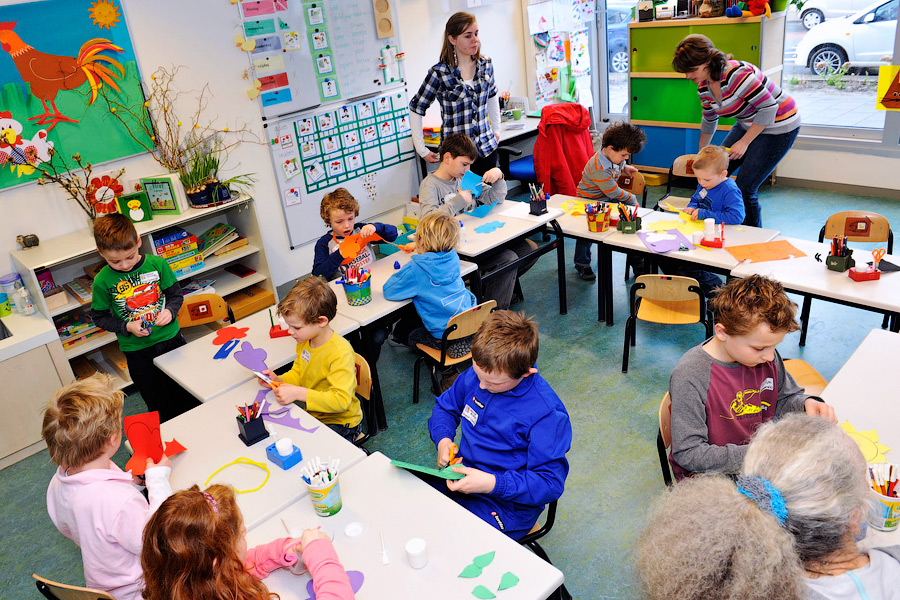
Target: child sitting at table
[[515, 429], [323, 378], [725, 388], [339, 210], [90, 499], [195, 548], [432, 279], [440, 191], [599, 181]]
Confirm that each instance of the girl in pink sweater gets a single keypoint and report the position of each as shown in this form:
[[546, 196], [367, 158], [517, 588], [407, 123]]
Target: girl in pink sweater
[[195, 548]]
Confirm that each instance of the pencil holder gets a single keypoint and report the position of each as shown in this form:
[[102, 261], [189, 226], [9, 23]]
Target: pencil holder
[[629, 226], [277, 332], [252, 431], [839, 263], [360, 294], [326, 498], [713, 243], [285, 462], [884, 515], [537, 207], [597, 222], [867, 274]]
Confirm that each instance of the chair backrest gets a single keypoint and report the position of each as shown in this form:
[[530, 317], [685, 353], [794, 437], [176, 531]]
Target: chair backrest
[[665, 420], [632, 182], [683, 166], [668, 299], [363, 377], [858, 226], [668, 288], [806, 376], [199, 309], [60, 591], [467, 322]]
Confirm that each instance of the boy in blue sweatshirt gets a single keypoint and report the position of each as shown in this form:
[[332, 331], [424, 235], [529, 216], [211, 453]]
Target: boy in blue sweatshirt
[[515, 429], [432, 279]]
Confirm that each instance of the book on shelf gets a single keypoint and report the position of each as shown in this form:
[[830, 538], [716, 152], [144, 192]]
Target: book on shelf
[[238, 243], [160, 238], [215, 237], [177, 247], [178, 263], [80, 288], [188, 269], [240, 270], [199, 286], [186, 253]]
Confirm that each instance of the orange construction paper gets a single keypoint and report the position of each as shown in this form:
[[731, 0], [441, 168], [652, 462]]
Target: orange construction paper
[[174, 447], [352, 244], [777, 250]]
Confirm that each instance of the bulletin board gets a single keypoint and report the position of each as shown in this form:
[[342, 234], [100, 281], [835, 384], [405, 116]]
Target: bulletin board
[[305, 54], [364, 146]]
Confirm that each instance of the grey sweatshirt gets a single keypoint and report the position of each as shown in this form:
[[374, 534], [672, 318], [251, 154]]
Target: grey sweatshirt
[[437, 194]]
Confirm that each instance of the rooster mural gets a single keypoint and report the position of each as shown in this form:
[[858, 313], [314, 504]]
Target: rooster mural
[[22, 155], [48, 74]]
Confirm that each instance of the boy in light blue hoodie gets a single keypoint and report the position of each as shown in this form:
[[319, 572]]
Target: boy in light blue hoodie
[[432, 280]]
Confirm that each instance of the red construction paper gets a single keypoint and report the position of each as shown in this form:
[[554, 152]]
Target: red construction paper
[[174, 447], [226, 334], [142, 432]]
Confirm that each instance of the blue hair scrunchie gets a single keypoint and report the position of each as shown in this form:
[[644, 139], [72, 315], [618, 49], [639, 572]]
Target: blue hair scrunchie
[[767, 497]]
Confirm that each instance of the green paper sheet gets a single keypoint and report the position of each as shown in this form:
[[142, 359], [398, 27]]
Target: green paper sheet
[[483, 593], [445, 473], [470, 572], [507, 581], [483, 560]]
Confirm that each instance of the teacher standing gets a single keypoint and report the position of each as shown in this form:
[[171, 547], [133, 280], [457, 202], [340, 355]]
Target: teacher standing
[[767, 118], [463, 83]]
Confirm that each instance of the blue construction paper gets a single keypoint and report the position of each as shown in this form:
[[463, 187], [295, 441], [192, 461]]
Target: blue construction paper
[[489, 227], [472, 182], [483, 210], [226, 349]]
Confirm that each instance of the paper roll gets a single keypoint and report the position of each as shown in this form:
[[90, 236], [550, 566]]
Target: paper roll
[[709, 229], [416, 553]]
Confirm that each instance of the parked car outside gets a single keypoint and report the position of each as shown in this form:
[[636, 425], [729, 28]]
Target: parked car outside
[[617, 19], [813, 12], [861, 39]]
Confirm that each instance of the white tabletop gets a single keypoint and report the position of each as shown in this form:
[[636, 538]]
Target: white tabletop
[[379, 307], [393, 502], [511, 131], [194, 368], [808, 276], [864, 393], [577, 226], [516, 222], [210, 434]]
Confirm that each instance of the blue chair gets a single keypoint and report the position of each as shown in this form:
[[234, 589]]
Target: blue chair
[[521, 169]]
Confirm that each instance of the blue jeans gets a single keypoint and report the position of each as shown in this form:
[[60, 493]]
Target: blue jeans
[[762, 156], [583, 253]]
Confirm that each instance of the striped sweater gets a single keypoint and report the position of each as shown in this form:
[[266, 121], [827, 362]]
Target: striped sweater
[[751, 98], [598, 181]]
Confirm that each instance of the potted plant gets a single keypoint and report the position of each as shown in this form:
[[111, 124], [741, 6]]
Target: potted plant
[[200, 175]]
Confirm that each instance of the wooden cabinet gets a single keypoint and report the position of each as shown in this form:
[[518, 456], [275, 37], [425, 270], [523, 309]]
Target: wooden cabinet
[[664, 103]]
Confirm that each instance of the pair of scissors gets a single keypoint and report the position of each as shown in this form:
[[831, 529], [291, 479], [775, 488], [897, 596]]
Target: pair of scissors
[[877, 255], [454, 459], [272, 384]]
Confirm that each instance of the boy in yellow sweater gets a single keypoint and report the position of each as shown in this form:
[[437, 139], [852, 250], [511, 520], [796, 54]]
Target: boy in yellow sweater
[[323, 378]]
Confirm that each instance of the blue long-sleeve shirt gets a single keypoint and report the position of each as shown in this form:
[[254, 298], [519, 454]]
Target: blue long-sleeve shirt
[[724, 203], [520, 436], [327, 257]]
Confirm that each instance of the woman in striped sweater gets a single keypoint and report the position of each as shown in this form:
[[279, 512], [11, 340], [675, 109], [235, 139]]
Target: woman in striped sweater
[[767, 117]]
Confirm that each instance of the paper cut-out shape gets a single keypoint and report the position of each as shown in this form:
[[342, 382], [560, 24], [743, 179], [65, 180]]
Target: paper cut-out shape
[[484, 560], [226, 334], [867, 442], [284, 417], [470, 572], [174, 447], [489, 227], [507, 581], [686, 227], [356, 581], [142, 432], [472, 182], [226, 349], [573, 207], [251, 358], [483, 210], [483, 593], [445, 473], [242, 460], [660, 243], [766, 251], [351, 245]]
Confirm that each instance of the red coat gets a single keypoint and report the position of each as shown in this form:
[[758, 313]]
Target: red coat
[[562, 148]]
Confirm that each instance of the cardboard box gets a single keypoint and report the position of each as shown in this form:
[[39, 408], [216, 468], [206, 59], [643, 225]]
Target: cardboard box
[[56, 298], [249, 300]]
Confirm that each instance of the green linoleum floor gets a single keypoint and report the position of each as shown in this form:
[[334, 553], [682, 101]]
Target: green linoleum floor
[[614, 467]]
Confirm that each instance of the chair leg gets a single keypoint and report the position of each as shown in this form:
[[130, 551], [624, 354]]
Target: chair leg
[[627, 265], [629, 324], [804, 319], [561, 593], [663, 459], [517, 290], [416, 367], [435, 381], [885, 322]]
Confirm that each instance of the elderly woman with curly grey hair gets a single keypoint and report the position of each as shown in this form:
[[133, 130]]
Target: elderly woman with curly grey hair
[[786, 530]]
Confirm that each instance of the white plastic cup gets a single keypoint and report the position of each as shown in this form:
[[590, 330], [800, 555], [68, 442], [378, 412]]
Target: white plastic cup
[[709, 229], [416, 553], [284, 446], [697, 237]]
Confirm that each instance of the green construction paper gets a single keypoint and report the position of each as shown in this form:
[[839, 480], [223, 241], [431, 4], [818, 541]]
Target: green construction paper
[[483, 593], [445, 473], [507, 581], [470, 572], [483, 560]]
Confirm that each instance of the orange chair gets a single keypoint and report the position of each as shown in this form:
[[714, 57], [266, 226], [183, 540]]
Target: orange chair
[[681, 167], [805, 376], [61, 591], [199, 309], [664, 437]]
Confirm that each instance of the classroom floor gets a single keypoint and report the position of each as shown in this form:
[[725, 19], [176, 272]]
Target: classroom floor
[[614, 467]]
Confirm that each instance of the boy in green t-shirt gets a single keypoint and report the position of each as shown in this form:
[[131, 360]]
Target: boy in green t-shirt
[[137, 298]]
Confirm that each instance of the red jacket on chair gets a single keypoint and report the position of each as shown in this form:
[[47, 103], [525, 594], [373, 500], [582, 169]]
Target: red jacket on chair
[[562, 148]]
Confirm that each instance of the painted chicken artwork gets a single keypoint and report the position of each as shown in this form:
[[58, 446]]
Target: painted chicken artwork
[[49, 74]]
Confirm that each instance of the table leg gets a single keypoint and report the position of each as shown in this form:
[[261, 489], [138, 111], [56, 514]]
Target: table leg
[[560, 267], [607, 278], [377, 414], [601, 298]]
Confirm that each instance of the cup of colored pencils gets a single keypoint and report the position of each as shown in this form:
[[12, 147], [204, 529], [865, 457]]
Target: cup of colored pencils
[[357, 285], [250, 423], [839, 257], [885, 513], [629, 221], [537, 201]]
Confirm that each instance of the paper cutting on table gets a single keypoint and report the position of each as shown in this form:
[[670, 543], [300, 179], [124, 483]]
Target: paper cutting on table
[[483, 210], [226, 334], [251, 358], [766, 251], [226, 349], [483, 560], [686, 227], [470, 572], [445, 473], [283, 416], [483, 593], [489, 227], [867, 442], [356, 581], [662, 242], [507, 581], [142, 432]]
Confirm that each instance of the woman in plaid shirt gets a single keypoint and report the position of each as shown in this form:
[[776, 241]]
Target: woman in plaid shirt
[[463, 83]]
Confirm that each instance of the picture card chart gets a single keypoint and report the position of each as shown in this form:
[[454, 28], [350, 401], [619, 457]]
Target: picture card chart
[[293, 45]]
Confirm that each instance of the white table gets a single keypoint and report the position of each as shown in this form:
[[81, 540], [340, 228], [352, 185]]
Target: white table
[[806, 276], [391, 501], [864, 393], [192, 366], [210, 434]]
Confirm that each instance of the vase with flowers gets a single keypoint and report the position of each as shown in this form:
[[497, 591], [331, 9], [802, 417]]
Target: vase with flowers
[[96, 196]]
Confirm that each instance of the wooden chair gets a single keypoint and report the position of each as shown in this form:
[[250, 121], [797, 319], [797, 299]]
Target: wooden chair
[[805, 376], [664, 437], [60, 591], [199, 309], [634, 183], [364, 393], [668, 299], [858, 226], [682, 167], [531, 540], [461, 325]]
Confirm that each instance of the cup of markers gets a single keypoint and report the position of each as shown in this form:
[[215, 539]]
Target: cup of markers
[[324, 485], [597, 214], [357, 286], [885, 513]]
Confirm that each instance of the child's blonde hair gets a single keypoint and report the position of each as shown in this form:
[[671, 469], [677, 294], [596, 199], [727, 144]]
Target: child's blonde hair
[[80, 419], [308, 300], [437, 232], [190, 549], [339, 199], [711, 158], [506, 342], [742, 304]]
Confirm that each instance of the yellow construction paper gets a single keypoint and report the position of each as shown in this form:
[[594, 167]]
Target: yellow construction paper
[[867, 442], [888, 93], [573, 207], [685, 227]]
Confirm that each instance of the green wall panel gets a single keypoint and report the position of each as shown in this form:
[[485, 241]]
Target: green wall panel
[[652, 47]]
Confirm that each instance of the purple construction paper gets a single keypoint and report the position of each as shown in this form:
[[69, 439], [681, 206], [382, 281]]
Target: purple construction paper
[[251, 358], [356, 581], [282, 417], [663, 246], [489, 227]]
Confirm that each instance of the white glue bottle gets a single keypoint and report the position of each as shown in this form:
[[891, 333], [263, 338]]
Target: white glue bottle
[[462, 232]]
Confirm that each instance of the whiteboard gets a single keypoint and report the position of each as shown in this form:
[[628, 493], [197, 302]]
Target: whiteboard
[[364, 146], [320, 51]]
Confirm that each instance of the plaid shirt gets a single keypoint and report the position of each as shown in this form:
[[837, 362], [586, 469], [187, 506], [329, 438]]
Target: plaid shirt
[[463, 108]]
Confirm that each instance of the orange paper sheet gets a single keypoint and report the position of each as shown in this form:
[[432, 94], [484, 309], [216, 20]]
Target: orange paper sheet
[[777, 250], [352, 244]]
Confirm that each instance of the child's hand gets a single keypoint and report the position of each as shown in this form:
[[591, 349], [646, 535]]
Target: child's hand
[[443, 449], [408, 248], [630, 169], [163, 318], [474, 482], [311, 535], [467, 196], [287, 393], [271, 375], [692, 213], [492, 175], [820, 409], [367, 230], [135, 329], [165, 461]]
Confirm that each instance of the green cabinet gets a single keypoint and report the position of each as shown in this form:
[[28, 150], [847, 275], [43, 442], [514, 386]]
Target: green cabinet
[[652, 48]]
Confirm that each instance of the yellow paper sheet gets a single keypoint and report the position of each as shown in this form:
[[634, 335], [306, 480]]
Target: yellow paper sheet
[[685, 227], [867, 442], [573, 207]]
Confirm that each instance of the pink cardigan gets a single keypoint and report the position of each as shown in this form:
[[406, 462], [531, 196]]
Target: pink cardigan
[[330, 581]]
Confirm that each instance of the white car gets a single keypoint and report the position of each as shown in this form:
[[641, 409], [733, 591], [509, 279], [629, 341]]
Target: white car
[[862, 39], [814, 12]]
